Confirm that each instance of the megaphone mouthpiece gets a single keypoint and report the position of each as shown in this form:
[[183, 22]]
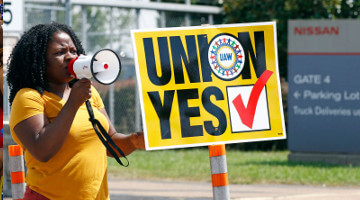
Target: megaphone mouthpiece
[[71, 66]]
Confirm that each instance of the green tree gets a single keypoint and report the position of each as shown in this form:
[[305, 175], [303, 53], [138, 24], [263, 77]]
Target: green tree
[[239, 11], [95, 23]]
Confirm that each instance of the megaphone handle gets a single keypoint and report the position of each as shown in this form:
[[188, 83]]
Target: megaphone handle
[[104, 136], [71, 83]]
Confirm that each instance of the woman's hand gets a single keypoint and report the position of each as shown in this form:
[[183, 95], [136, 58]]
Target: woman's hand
[[80, 92], [127, 142], [137, 139]]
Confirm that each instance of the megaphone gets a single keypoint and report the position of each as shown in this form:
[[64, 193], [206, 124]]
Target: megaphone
[[104, 66]]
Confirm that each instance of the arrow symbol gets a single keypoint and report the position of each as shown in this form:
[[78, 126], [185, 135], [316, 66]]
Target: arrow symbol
[[297, 94]]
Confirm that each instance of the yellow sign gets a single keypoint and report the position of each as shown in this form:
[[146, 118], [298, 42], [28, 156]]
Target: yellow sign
[[206, 85]]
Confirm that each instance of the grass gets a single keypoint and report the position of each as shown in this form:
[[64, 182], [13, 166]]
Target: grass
[[243, 168]]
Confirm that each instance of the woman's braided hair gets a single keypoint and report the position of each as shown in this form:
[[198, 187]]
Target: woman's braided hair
[[27, 60]]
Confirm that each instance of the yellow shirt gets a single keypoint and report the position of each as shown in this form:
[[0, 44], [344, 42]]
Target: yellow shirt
[[79, 169]]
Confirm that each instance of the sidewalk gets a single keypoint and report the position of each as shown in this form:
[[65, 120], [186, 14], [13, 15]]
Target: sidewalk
[[174, 190]]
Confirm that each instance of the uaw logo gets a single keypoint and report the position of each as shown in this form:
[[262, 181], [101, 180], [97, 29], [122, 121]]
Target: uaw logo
[[226, 56]]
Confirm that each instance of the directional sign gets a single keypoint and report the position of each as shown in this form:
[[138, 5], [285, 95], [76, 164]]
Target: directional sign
[[324, 93], [207, 85]]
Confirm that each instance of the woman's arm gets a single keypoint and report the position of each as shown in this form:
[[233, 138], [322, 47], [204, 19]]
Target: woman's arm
[[44, 139], [127, 143]]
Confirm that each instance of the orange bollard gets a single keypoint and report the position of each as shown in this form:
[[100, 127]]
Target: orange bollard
[[219, 174], [17, 171]]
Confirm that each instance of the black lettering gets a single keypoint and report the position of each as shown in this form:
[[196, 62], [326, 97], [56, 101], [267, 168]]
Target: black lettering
[[186, 112], [203, 50], [163, 110], [179, 56], [164, 59], [258, 61], [214, 110]]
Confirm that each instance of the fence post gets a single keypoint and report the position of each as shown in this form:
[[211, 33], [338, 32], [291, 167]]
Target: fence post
[[17, 171], [219, 174]]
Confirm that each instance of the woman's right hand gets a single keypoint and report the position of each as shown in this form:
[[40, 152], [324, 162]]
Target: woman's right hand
[[80, 92]]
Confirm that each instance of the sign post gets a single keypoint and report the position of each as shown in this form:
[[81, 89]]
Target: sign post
[[209, 85], [219, 174]]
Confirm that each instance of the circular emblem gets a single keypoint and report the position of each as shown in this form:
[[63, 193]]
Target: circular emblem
[[226, 56]]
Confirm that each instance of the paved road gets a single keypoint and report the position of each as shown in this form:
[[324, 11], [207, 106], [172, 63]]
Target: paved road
[[174, 190], [170, 190]]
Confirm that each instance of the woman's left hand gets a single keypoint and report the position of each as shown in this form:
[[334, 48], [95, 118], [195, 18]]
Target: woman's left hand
[[137, 139]]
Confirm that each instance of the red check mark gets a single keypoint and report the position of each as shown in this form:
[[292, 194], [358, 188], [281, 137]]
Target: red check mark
[[247, 114]]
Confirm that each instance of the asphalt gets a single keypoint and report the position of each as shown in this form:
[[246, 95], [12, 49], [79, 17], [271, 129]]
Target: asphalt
[[174, 190], [121, 189]]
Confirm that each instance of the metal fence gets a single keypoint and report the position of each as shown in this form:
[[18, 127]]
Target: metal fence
[[107, 25]]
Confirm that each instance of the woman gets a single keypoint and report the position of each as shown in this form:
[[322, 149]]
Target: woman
[[64, 157]]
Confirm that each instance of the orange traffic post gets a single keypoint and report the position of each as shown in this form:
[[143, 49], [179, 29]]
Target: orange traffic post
[[219, 174], [17, 172]]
